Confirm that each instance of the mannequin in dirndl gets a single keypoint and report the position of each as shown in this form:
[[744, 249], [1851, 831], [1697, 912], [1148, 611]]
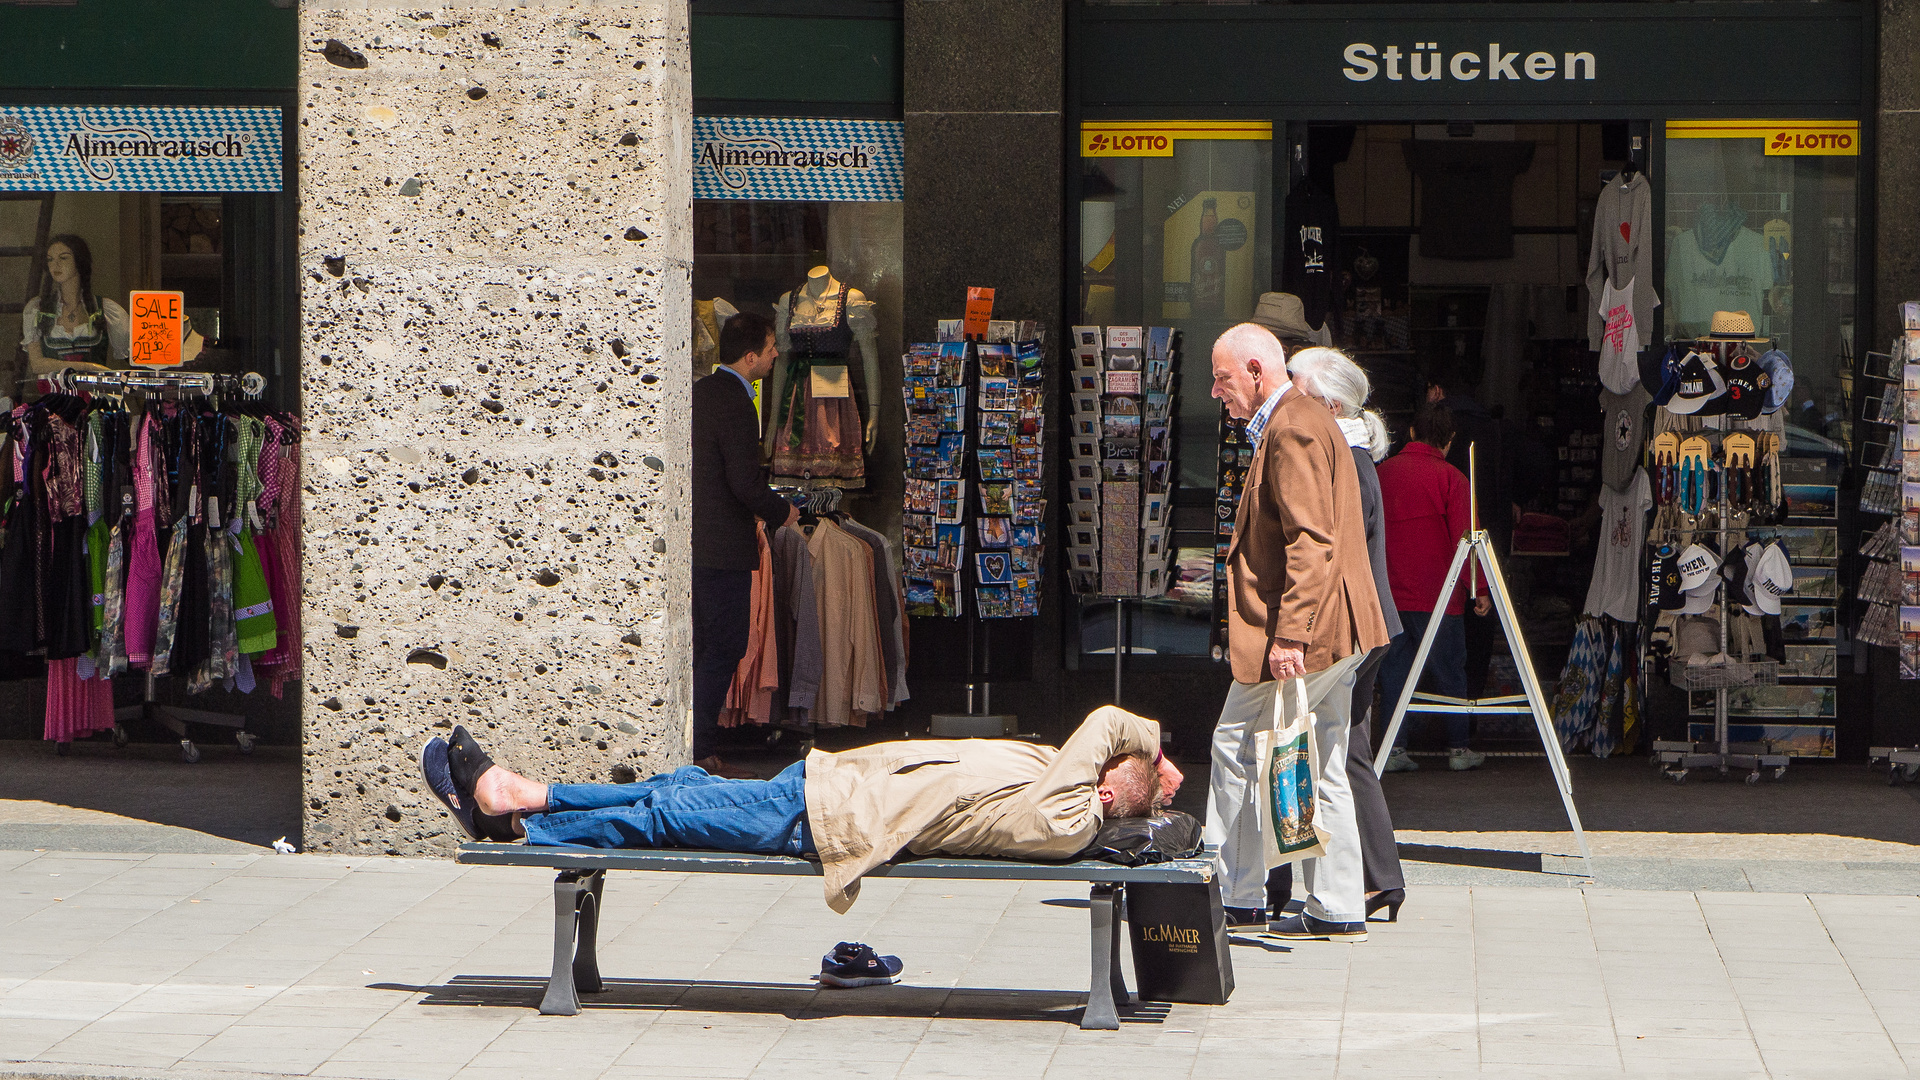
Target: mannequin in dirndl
[[816, 437]]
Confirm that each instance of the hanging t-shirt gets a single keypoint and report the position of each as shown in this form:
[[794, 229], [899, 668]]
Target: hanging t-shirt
[[1698, 286], [1619, 339], [1623, 434], [1466, 195], [1616, 590], [1313, 225]]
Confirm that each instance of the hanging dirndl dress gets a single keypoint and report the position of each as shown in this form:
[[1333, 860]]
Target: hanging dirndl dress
[[818, 441]]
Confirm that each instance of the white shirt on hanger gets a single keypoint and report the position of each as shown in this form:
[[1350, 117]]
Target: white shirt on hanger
[[1619, 339]]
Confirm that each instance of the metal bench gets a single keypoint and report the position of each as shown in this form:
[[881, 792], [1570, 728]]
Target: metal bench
[[582, 873]]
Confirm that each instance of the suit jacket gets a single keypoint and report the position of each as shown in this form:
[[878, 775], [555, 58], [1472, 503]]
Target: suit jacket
[[1297, 566], [728, 490], [970, 797]]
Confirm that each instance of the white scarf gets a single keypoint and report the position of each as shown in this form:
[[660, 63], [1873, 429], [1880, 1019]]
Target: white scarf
[[1355, 429]]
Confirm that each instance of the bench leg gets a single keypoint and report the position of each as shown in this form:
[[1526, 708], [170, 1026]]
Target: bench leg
[[586, 958], [1108, 988], [575, 917]]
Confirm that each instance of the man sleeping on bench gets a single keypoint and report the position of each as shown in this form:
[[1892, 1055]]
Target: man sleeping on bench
[[855, 810]]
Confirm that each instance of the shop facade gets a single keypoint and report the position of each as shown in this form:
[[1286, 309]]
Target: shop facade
[[1242, 103]]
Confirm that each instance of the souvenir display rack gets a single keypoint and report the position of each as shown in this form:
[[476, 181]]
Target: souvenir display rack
[[974, 521], [1120, 462]]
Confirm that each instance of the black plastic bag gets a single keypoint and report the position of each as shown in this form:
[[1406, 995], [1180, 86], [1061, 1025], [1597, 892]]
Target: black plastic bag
[[1138, 841]]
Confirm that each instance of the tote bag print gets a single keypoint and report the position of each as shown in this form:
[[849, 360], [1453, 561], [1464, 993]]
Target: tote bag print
[[1286, 755]]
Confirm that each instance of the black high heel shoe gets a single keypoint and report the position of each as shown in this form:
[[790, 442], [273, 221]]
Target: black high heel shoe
[[466, 761], [1391, 899]]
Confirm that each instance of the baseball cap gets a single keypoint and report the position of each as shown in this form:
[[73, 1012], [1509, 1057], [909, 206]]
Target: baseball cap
[[1696, 566], [1780, 374], [1769, 575], [1664, 379], [1663, 579], [1747, 386], [1734, 569], [1700, 383]]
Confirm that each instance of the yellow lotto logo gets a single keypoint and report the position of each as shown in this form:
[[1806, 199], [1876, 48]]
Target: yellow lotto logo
[[1155, 138], [1783, 138]]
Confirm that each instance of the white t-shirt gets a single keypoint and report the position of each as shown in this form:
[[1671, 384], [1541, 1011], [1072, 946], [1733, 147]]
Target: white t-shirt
[[1617, 589], [1619, 339]]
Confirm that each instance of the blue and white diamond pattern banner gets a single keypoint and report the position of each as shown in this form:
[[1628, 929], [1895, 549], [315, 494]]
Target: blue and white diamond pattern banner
[[802, 159], [138, 148]]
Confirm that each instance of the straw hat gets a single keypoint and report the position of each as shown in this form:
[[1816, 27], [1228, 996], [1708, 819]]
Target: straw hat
[[1285, 315], [1734, 326]]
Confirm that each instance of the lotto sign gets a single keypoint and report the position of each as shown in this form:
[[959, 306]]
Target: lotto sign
[[138, 148], [1784, 138], [158, 325], [1155, 138]]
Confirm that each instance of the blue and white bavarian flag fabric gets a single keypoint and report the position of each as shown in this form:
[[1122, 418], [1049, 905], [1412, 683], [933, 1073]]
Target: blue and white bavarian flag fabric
[[138, 148], [801, 159]]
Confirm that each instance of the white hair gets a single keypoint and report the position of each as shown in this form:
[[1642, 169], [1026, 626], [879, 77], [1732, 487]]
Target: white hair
[[1330, 375]]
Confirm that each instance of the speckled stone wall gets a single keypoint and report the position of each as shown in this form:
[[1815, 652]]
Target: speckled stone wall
[[495, 248]]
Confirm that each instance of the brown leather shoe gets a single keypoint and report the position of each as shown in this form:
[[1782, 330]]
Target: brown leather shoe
[[721, 769]]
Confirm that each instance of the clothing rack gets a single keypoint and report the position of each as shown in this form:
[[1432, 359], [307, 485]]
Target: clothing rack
[[251, 386]]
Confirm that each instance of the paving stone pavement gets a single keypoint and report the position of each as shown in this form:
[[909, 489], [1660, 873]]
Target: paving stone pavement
[[197, 966]]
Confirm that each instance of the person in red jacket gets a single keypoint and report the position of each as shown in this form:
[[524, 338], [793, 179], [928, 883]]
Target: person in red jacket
[[1424, 502]]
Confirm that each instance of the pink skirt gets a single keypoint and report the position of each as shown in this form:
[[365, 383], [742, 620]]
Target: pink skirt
[[76, 707]]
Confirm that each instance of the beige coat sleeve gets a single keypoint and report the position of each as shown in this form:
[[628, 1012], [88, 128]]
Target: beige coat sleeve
[[1063, 801]]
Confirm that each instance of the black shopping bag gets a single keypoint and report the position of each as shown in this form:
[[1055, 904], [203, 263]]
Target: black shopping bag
[[1179, 943]]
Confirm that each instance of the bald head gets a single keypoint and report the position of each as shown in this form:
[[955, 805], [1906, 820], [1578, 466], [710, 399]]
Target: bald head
[[1249, 365]]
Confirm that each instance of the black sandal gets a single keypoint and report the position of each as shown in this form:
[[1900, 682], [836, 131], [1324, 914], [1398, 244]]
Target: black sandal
[[468, 763]]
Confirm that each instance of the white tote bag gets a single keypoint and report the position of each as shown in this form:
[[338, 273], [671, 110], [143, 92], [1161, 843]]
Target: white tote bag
[[1289, 779]]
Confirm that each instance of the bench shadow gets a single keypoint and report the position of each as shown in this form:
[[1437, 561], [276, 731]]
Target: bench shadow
[[793, 1001], [1490, 858]]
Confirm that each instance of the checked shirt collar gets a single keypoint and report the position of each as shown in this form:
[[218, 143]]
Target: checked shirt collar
[[1257, 426]]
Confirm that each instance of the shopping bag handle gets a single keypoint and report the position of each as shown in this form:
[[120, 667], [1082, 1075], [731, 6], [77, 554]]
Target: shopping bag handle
[[1298, 688]]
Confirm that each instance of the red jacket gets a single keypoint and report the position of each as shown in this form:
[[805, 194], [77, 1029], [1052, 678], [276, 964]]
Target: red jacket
[[1424, 503]]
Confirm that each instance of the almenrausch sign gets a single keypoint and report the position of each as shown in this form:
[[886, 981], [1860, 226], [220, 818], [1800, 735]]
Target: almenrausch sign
[[139, 148], [803, 159]]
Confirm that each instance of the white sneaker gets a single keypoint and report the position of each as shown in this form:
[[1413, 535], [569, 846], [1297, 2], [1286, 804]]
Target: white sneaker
[[1460, 759], [1398, 760]]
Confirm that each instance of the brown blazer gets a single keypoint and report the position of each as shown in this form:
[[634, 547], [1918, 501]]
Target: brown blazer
[[993, 797], [1297, 566]]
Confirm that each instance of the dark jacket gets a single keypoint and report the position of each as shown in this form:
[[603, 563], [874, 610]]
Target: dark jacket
[[1376, 536], [728, 489], [1509, 467]]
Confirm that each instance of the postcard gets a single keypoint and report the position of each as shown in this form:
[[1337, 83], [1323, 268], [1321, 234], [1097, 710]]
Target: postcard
[[995, 532], [994, 567], [950, 547], [996, 499]]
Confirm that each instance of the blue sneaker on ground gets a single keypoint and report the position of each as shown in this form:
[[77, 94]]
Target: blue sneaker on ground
[[437, 770], [853, 964]]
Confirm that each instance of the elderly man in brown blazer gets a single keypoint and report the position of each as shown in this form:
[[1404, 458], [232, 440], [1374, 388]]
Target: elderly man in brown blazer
[[1300, 604], [855, 809]]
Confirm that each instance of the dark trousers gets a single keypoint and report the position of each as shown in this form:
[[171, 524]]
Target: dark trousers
[[1446, 668], [1481, 633], [1378, 849], [722, 608]]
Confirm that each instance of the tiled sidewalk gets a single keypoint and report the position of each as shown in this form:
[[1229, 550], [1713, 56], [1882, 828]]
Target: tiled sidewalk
[[198, 965]]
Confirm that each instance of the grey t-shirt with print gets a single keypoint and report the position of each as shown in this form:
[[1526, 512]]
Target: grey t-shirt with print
[[1623, 434]]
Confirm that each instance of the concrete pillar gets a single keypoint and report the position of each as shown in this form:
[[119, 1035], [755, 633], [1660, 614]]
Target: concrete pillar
[[495, 253]]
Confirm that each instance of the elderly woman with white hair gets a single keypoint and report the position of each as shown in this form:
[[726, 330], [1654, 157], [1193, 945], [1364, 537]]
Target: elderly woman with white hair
[[1328, 376]]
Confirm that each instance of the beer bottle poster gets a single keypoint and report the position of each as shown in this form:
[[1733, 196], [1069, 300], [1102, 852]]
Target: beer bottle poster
[[1207, 258]]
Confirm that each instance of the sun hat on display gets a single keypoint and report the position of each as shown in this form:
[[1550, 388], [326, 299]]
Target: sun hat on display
[[1734, 326]]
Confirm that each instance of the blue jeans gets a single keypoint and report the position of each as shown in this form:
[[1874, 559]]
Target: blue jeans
[[1446, 668], [686, 808]]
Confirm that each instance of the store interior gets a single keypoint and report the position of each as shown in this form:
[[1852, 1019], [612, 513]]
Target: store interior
[[214, 249]]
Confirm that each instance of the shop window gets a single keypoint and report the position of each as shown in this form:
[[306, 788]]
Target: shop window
[[1179, 236], [1761, 217]]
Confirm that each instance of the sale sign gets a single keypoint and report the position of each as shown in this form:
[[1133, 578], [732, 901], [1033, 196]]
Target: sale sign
[[158, 327]]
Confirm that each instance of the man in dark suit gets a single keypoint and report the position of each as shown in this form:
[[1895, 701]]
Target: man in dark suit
[[1300, 604], [729, 492]]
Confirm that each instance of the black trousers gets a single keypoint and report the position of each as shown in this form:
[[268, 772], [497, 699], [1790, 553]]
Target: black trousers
[[1378, 850], [722, 609]]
